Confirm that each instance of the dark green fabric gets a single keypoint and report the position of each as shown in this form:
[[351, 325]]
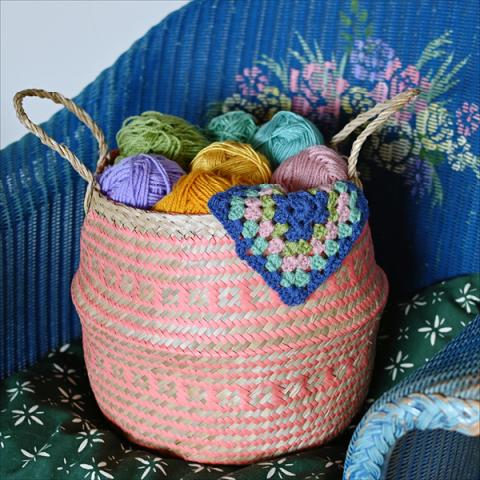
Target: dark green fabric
[[51, 427]]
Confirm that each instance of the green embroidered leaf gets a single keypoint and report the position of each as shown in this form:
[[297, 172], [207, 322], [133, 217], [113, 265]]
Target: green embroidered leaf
[[437, 189], [345, 20], [278, 69], [434, 157], [434, 49], [346, 36], [443, 81], [363, 15], [354, 6], [369, 30]]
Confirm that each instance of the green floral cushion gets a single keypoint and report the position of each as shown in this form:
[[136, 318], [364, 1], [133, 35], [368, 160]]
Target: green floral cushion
[[51, 427]]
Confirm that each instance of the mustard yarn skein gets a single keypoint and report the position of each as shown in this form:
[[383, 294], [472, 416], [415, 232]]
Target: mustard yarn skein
[[190, 195], [233, 159]]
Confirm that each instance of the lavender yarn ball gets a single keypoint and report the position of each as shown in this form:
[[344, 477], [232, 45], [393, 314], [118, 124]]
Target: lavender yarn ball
[[140, 181]]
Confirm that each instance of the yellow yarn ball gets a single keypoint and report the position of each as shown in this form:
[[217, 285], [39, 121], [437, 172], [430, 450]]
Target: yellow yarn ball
[[190, 195], [233, 159]]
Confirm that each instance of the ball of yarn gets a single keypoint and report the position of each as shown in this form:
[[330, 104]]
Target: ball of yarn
[[191, 193], [238, 126], [314, 167], [286, 134], [140, 181], [155, 132], [233, 159]]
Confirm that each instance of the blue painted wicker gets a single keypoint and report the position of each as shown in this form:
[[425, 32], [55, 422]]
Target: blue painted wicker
[[188, 65], [428, 426]]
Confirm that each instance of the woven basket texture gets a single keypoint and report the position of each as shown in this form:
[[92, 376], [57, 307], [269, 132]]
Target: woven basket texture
[[190, 352]]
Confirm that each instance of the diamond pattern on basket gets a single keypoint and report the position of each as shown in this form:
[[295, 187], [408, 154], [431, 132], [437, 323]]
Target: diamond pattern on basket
[[295, 241]]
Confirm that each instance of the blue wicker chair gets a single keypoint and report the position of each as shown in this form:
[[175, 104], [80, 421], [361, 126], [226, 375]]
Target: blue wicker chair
[[428, 426], [188, 65]]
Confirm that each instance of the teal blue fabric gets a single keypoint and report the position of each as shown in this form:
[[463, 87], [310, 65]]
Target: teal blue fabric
[[326, 59]]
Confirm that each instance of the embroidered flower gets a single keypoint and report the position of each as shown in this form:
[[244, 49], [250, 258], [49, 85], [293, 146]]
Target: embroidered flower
[[252, 81], [468, 119], [435, 128], [20, 389], [270, 101], [418, 177], [416, 302], [29, 415], [356, 100], [316, 90], [96, 471], [370, 59]]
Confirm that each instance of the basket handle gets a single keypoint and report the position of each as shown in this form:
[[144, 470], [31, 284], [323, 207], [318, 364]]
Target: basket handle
[[382, 111], [63, 150]]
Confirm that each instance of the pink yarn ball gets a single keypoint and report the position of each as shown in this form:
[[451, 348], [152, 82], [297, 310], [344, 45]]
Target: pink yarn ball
[[315, 167]]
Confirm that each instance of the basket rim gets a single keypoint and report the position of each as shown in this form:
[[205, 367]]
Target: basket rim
[[153, 222]]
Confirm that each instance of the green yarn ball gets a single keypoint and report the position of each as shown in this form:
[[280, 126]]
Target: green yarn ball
[[237, 126], [167, 135], [285, 135]]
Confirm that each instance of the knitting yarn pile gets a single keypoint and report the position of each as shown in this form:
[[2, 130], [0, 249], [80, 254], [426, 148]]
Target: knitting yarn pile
[[167, 164]]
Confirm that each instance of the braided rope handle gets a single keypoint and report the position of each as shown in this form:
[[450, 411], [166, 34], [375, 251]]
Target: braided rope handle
[[63, 150], [382, 111]]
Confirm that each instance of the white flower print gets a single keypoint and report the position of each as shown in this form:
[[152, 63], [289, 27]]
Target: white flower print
[[62, 349], [437, 297], [416, 302], [74, 399], [435, 330], [19, 389], [84, 423], [334, 463], [29, 415], [88, 438], [403, 333], [278, 468], [196, 467], [3, 437], [126, 448], [467, 299], [95, 471], [399, 364], [154, 465], [64, 373], [66, 467], [34, 454], [315, 476]]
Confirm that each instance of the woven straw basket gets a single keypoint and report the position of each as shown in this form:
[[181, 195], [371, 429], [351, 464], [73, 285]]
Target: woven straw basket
[[188, 350]]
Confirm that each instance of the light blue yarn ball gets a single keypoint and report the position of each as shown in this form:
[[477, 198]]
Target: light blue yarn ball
[[285, 135]]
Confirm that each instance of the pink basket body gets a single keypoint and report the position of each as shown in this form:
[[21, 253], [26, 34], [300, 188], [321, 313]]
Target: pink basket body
[[188, 351]]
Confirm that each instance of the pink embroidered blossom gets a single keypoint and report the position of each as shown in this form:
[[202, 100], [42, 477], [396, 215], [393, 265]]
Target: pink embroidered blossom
[[398, 80], [252, 81], [276, 245], [266, 229], [317, 89], [289, 264], [468, 119]]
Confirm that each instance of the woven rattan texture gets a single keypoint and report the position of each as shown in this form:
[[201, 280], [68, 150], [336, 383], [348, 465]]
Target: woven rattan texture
[[443, 395]]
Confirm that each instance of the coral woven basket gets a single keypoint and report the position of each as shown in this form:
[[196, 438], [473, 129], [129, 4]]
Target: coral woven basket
[[190, 352]]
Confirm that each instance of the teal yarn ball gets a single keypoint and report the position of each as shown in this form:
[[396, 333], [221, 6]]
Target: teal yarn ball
[[237, 126], [285, 135]]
